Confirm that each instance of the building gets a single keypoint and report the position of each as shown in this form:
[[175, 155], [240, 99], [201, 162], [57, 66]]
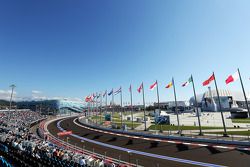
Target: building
[[208, 101], [53, 107], [170, 105]]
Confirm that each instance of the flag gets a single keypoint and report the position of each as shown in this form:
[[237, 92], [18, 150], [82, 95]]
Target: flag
[[104, 94], [118, 91], [140, 88], [130, 88], [186, 83], [232, 77], [209, 80], [169, 85], [88, 98], [111, 92], [153, 86]]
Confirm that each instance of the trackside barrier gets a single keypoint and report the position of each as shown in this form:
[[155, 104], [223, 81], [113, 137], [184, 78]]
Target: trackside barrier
[[238, 145], [60, 143]]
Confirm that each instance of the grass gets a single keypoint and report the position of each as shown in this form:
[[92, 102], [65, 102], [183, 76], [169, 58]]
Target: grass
[[240, 133], [116, 117], [129, 124], [242, 120], [169, 127], [116, 120]]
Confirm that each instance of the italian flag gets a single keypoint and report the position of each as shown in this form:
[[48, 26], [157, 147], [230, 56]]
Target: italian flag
[[153, 86], [232, 78], [187, 82]]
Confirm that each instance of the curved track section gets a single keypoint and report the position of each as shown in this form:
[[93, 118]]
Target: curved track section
[[148, 153]]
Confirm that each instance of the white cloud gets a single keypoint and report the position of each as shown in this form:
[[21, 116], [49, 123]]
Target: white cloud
[[36, 92], [36, 95], [5, 94]]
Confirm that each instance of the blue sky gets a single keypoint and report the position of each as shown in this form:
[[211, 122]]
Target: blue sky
[[73, 48]]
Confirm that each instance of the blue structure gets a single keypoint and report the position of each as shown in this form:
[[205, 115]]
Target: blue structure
[[53, 107]]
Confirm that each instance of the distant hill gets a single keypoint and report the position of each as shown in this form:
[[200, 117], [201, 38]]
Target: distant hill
[[6, 103]]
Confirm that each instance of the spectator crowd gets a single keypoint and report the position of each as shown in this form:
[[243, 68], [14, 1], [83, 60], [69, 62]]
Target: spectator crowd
[[23, 148]]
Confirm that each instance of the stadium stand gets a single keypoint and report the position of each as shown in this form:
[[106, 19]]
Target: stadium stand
[[19, 147]]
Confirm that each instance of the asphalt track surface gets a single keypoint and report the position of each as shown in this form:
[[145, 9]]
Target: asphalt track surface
[[209, 155]]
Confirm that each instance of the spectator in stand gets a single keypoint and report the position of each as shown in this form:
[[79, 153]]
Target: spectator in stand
[[82, 162], [15, 134]]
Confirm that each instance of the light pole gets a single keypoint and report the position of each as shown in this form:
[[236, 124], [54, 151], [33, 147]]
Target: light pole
[[12, 90]]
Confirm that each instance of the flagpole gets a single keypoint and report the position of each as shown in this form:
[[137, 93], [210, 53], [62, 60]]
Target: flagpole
[[244, 93], [106, 101], [144, 107], [131, 100], [112, 105], [196, 106], [158, 98], [158, 95], [176, 107], [220, 108], [91, 107], [101, 109], [88, 108], [121, 105], [96, 107]]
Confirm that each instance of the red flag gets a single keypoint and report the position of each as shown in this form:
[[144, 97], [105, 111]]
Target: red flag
[[153, 86], [232, 78], [87, 99], [207, 82], [140, 88]]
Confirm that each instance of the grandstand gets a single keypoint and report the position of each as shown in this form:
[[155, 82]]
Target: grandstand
[[19, 146]]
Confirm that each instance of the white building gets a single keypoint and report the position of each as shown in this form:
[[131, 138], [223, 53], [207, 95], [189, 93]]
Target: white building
[[229, 99]]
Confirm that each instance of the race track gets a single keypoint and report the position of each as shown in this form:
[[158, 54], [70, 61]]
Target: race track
[[206, 155]]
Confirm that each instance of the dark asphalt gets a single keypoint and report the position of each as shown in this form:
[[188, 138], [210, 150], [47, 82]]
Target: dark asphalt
[[201, 154]]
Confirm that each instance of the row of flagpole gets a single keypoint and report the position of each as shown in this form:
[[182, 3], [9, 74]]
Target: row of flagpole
[[230, 79]]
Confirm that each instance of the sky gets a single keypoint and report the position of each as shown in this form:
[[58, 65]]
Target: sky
[[71, 49]]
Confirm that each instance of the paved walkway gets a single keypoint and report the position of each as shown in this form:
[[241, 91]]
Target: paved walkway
[[142, 126]]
